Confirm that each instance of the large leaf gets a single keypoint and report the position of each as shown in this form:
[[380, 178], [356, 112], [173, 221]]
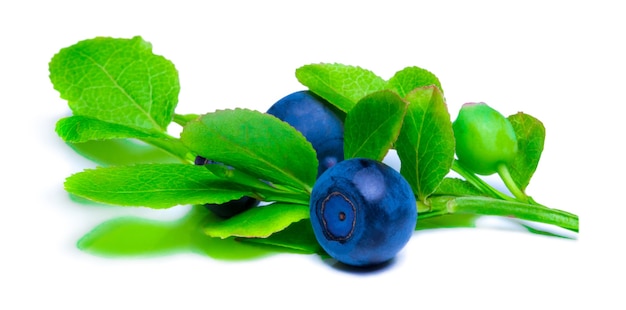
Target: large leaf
[[426, 142], [78, 129], [530, 134], [373, 125], [256, 143], [259, 222], [153, 185], [341, 85], [410, 78], [118, 81], [122, 152]]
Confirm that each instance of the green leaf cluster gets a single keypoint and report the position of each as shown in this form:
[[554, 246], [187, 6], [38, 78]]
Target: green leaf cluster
[[408, 112], [118, 89], [120, 92]]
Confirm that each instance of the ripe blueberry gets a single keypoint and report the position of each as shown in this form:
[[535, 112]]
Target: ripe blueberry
[[363, 212], [311, 116], [229, 208]]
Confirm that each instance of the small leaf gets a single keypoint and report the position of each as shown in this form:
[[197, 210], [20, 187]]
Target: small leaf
[[259, 222], [457, 187], [530, 134], [410, 78], [256, 143], [78, 129], [373, 125], [341, 85], [426, 142], [118, 81], [152, 185], [298, 237]]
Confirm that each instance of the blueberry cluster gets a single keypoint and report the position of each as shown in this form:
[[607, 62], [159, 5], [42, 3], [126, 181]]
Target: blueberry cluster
[[363, 212]]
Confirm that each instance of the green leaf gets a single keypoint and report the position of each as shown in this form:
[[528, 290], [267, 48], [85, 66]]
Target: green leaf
[[152, 185], [425, 145], [410, 78], [78, 129], [530, 134], [256, 143], [298, 237], [262, 189], [457, 187], [373, 125], [341, 85], [122, 152], [259, 222], [117, 81]]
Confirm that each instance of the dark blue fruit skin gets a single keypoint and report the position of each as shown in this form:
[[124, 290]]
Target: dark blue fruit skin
[[233, 207], [311, 116], [363, 212], [230, 208]]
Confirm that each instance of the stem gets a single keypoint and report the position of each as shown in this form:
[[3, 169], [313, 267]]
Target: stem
[[292, 197], [183, 119], [478, 182], [263, 190], [505, 175], [490, 206], [171, 145]]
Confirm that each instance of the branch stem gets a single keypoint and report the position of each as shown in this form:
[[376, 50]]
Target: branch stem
[[443, 205]]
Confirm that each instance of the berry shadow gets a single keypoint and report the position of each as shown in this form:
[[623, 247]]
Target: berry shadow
[[359, 270]]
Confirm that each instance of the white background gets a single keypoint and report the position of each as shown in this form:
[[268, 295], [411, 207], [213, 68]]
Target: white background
[[560, 61]]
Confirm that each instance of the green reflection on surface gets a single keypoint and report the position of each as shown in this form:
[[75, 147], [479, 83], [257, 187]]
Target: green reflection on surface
[[139, 237]]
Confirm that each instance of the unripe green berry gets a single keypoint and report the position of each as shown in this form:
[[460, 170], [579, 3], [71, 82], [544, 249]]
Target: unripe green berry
[[485, 138]]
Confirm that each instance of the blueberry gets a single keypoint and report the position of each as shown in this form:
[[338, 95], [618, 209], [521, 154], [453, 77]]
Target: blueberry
[[363, 212], [202, 161], [312, 116], [229, 208]]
